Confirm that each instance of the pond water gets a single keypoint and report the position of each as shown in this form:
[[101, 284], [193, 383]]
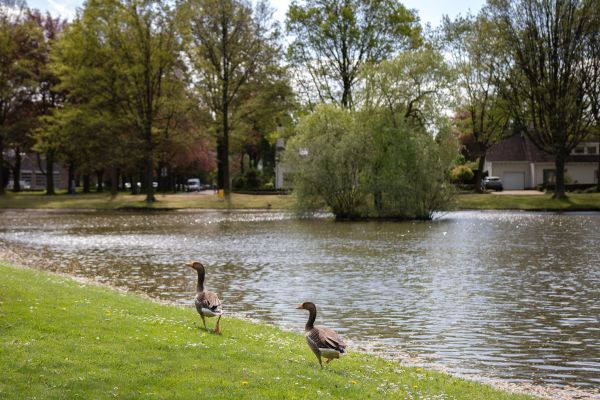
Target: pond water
[[508, 295]]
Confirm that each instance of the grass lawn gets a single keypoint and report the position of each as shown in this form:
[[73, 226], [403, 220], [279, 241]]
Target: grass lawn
[[575, 202], [60, 338], [123, 200]]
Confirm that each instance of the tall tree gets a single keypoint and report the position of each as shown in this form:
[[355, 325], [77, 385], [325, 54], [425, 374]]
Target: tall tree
[[593, 84], [146, 49], [547, 89], [47, 97], [412, 87], [92, 127], [19, 39], [333, 39], [475, 51], [229, 44]]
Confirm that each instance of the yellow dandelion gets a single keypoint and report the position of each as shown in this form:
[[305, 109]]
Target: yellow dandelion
[[354, 382], [245, 382]]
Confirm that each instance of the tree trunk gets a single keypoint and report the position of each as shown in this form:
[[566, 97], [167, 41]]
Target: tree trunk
[[17, 171], [50, 173], [149, 164], [224, 149], [598, 172], [479, 173], [346, 93], [99, 179], [559, 188], [86, 183], [114, 180], [71, 178], [1, 164]]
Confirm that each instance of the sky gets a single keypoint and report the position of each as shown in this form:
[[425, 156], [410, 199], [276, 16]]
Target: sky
[[430, 11]]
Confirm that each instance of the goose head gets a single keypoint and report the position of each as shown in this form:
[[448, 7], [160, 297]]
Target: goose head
[[197, 265]]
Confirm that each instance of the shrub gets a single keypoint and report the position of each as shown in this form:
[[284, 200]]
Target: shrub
[[461, 174]]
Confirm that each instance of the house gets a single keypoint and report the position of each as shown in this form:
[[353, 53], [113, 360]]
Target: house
[[283, 172], [33, 175], [521, 165]]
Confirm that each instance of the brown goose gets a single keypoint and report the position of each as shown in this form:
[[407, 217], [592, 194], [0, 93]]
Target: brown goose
[[207, 302], [323, 342]]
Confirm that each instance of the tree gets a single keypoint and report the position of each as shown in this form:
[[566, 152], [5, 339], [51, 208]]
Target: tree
[[345, 159], [47, 96], [146, 51], [593, 84], [265, 104], [333, 39], [229, 44], [412, 87], [121, 70], [328, 155], [19, 48], [547, 88], [475, 50]]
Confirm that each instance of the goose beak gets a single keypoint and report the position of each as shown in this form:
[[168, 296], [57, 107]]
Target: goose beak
[[190, 264], [299, 306]]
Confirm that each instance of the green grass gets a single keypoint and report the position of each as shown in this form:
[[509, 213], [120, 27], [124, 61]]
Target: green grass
[[164, 201], [574, 202], [60, 338]]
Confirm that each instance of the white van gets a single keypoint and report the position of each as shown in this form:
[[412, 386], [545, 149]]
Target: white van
[[193, 185]]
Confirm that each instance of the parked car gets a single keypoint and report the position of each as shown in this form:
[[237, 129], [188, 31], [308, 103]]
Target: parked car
[[193, 185], [492, 183], [23, 184]]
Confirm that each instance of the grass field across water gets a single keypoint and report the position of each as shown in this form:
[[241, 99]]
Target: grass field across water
[[60, 338], [104, 201]]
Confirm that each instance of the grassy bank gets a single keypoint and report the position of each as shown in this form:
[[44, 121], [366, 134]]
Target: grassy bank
[[545, 202], [37, 200], [63, 339], [128, 201]]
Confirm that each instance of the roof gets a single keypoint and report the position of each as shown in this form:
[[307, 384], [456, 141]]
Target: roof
[[520, 148]]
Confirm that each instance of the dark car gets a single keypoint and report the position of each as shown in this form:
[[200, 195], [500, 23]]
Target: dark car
[[492, 183]]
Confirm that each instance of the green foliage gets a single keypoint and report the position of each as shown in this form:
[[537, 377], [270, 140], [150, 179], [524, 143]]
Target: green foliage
[[408, 169], [20, 55], [328, 155], [461, 174], [64, 338], [412, 86], [333, 39], [361, 165], [548, 47], [234, 54]]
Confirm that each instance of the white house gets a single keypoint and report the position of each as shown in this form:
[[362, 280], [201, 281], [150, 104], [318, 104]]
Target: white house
[[521, 165]]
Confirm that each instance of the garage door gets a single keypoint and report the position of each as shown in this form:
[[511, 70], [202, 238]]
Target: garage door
[[514, 180]]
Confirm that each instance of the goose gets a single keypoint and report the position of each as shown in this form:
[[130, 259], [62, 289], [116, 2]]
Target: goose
[[207, 302], [324, 342]]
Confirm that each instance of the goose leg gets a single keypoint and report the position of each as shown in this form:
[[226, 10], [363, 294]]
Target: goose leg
[[203, 321], [320, 362], [217, 327]]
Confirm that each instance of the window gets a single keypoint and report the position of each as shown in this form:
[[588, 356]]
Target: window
[[579, 150], [26, 176], [40, 180], [592, 150]]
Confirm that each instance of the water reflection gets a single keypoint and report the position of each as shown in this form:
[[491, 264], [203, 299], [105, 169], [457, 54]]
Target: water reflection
[[503, 294]]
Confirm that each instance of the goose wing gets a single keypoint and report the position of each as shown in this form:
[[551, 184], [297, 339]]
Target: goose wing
[[327, 338], [208, 300]]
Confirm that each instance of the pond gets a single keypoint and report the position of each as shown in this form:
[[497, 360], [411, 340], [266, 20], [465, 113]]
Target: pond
[[511, 296]]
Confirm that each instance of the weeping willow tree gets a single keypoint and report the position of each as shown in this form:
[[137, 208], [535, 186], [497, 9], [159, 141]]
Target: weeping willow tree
[[334, 154]]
